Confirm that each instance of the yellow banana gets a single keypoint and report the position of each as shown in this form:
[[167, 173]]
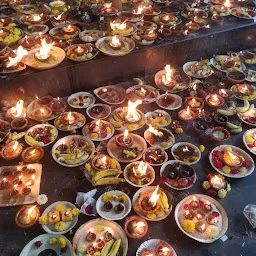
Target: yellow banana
[[244, 108], [138, 81], [105, 173], [108, 181]]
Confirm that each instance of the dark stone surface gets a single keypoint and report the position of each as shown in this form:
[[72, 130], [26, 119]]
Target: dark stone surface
[[61, 183]]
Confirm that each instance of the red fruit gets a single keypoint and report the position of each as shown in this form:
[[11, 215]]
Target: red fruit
[[81, 104], [201, 203], [212, 192], [234, 171], [218, 164], [215, 214], [104, 134], [183, 182], [38, 244], [246, 164]]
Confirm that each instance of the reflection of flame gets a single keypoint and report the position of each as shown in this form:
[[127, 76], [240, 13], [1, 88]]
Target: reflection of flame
[[59, 16], [15, 145], [140, 170], [203, 227], [20, 53], [194, 199], [41, 110], [115, 42], [187, 212], [104, 158], [215, 97], [166, 78], [44, 50], [132, 114], [155, 131], [153, 199], [115, 24], [97, 122], [32, 152], [17, 110], [227, 3], [139, 10], [30, 210]]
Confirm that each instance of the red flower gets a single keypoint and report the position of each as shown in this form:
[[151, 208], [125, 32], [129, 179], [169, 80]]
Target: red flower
[[233, 171], [187, 207], [218, 164], [104, 134], [38, 244], [215, 214], [246, 164], [216, 153], [212, 192], [201, 203]]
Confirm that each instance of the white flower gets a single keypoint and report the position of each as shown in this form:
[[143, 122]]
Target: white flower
[[42, 199]]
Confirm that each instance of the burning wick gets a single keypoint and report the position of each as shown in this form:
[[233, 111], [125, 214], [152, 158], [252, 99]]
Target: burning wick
[[20, 53], [155, 196], [17, 110], [44, 51], [139, 11], [166, 78], [155, 131], [141, 170], [132, 114]]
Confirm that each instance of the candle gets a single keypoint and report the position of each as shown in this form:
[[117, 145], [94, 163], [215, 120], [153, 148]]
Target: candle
[[232, 159], [27, 216]]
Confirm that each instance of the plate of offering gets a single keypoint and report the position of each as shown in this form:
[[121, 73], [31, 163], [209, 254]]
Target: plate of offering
[[41, 135], [89, 36], [108, 10], [249, 139], [172, 81], [139, 174], [103, 170], [169, 101], [130, 16], [191, 13], [34, 19], [98, 130], [61, 19], [145, 93], [117, 27], [198, 69], [167, 20], [111, 94], [243, 13], [59, 217], [128, 117], [64, 32], [151, 11], [155, 247], [81, 100], [99, 235], [160, 137], [81, 52], [24, 8], [231, 161], [115, 45], [98, 111], [226, 63], [11, 35], [247, 113], [5, 129], [69, 121], [34, 41], [20, 184], [247, 57], [144, 37], [8, 21], [155, 156], [126, 147], [221, 10], [6, 52], [48, 244], [250, 75], [113, 205], [73, 150], [158, 118], [178, 175], [244, 91], [202, 218], [33, 30], [152, 203], [186, 153]]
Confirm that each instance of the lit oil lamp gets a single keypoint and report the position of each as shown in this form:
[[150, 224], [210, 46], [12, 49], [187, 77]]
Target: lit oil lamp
[[4, 184], [61, 17], [31, 181], [166, 18], [140, 171], [34, 19], [44, 53], [201, 226], [201, 21], [133, 116], [69, 29], [4, 32], [164, 32], [189, 215], [195, 103], [101, 162], [79, 50], [135, 227], [208, 206], [214, 100], [17, 111], [57, 105], [223, 8], [69, 118], [194, 203], [14, 192], [167, 79], [245, 89], [225, 93], [44, 101], [115, 43], [90, 237], [212, 220], [156, 135], [11, 150], [166, 99], [200, 214], [32, 154], [150, 35], [163, 250], [6, 21], [124, 140], [108, 10], [42, 113], [218, 182], [192, 26], [186, 114], [232, 159], [121, 28], [27, 216], [28, 42], [139, 10], [57, 6]]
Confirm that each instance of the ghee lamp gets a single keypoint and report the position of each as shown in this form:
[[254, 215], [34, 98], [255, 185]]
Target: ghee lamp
[[11, 150], [188, 214], [214, 100], [140, 171], [44, 52], [101, 162], [166, 18], [195, 103], [42, 113], [133, 116], [194, 203], [232, 159], [34, 19], [115, 43], [27, 216], [201, 226], [4, 32], [79, 50], [69, 29], [124, 140], [212, 220]]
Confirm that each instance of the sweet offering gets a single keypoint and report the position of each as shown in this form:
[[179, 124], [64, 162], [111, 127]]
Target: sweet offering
[[201, 218], [152, 203], [155, 156], [98, 111], [89, 36], [178, 175], [98, 130], [231, 161]]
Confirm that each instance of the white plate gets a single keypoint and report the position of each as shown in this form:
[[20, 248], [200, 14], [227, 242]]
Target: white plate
[[150, 169], [151, 245], [249, 133], [111, 226], [188, 144], [246, 75], [168, 184], [46, 28], [151, 148], [242, 153], [92, 99], [246, 122], [224, 219], [63, 140], [31, 250], [177, 105], [39, 126], [188, 64], [239, 96], [159, 111], [58, 28], [112, 215]]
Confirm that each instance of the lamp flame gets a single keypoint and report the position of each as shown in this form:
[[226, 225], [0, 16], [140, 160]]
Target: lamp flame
[[227, 3], [107, 5], [155, 196], [36, 17], [44, 50], [125, 135], [15, 145], [132, 114], [185, 149], [115, 24], [59, 16], [17, 110], [30, 210], [115, 41], [139, 10], [20, 53], [155, 131], [141, 170], [166, 78]]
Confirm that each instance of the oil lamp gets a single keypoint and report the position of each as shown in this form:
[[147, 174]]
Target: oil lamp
[[187, 114], [167, 77], [154, 198], [166, 18], [79, 50], [31, 181], [69, 29], [208, 206], [140, 171], [17, 111], [157, 134], [212, 220], [58, 6], [163, 251], [27, 216], [4, 184], [124, 140], [11, 150], [135, 227], [133, 116], [44, 52], [192, 27], [14, 192], [217, 19], [194, 203], [13, 63], [61, 17], [201, 226], [214, 100], [139, 11], [69, 118], [101, 162], [107, 9], [6, 21], [32, 154], [232, 159], [225, 93], [189, 214], [57, 105], [115, 43], [34, 19], [195, 103], [245, 89]]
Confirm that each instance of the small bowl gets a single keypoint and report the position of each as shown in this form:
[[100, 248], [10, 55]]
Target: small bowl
[[199, 123], [40, 149], [220, 119], [153, 148], [30, 224], [235, 77], [138, 219], [108, 160], [220, 129], [15, 124]]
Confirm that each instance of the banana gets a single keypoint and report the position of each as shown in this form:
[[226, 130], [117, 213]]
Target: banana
[[164, 200], [115, 248], [14, 136], [244, 108], [237, 130], [108, 181], [227, 112], [249, 111], [232, 126], [105, 173], [107, 248], [138, 81]]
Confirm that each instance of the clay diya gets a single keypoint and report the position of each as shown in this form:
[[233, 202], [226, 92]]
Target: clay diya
[[32, 154], [219, 134], [217, 182], [164, 32], [4, 32], [200, 126], [155, 156], [45, 100], [70, 29], [6, 21], [169, 101], [108, 10], [186, 114], [57, 105], [101, 162], [163, 249], [226, 93], [19, 123], [98, 111], [124, 140], [214, 100], [192, 27], [115, 43], [232, 159], [27, 216], [194, 103], [41, 113], [11, 150], [235, 77], [245, 89], [220, 119], [135, 227], [33, 19], [17, 111]]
